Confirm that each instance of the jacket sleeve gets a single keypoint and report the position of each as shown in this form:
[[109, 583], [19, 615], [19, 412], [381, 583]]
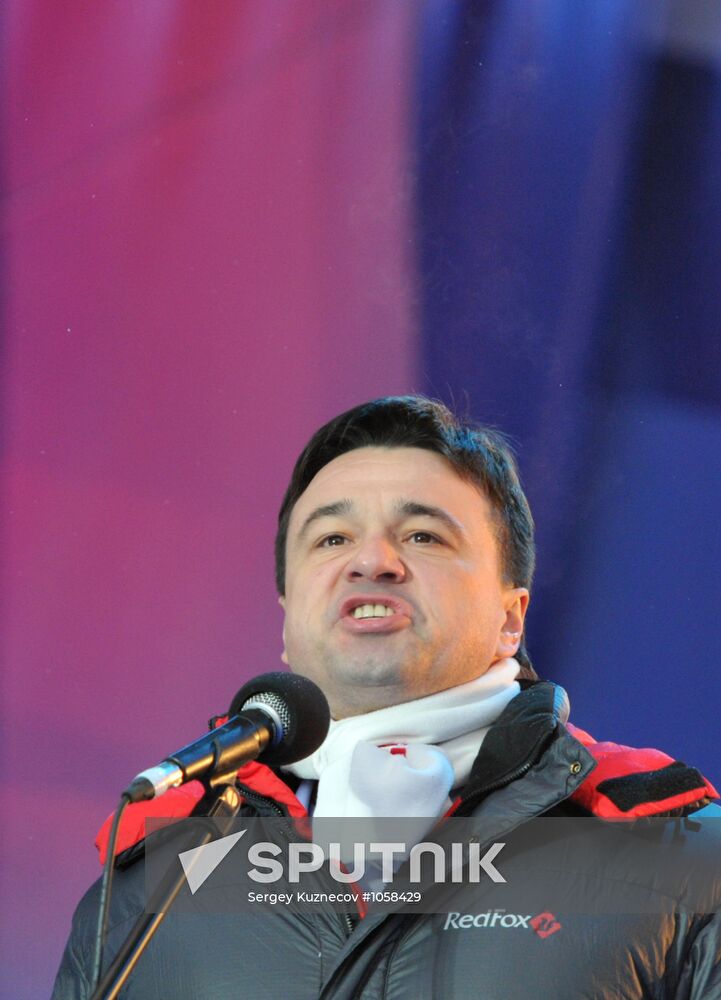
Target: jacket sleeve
[[71, 982], [73, 979], [701, 973]]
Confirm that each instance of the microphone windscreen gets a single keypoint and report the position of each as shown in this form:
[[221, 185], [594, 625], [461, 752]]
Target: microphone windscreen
[[303, 710]]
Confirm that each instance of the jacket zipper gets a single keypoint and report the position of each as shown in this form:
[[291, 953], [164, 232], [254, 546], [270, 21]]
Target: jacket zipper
[[254, 799], [507, 778], [250, 796]]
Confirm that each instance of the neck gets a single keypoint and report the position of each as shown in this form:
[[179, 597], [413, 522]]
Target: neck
[[348, 702]]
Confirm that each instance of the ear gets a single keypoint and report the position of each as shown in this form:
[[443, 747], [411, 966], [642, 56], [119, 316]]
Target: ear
[[283, 655], [515, 602]]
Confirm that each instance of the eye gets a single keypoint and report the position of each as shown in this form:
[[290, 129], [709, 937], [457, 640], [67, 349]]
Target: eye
[[331, 541], [423, 538]]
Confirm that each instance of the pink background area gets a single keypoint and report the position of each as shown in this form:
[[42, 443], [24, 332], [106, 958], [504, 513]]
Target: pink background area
[[207, 254]]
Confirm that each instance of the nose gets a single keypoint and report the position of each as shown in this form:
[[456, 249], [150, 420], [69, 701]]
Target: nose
[[377, 558]]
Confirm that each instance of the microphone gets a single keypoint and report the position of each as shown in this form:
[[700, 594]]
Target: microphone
[[277, 717]]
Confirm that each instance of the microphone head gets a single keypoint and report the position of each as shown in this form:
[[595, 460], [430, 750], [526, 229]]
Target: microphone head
[[301, 707]]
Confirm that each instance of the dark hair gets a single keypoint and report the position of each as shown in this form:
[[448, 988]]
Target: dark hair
[[478, 455]]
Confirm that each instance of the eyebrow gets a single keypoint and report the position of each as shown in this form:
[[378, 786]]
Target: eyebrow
[[335, 509], [406, 508], [412, 508]]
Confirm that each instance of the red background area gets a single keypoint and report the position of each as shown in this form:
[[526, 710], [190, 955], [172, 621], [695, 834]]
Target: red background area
[[207, 255]]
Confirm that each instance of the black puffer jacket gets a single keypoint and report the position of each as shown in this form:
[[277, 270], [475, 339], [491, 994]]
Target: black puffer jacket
[[529, 765]]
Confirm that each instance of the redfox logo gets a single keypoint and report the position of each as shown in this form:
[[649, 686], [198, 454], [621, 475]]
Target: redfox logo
[[544, 924]]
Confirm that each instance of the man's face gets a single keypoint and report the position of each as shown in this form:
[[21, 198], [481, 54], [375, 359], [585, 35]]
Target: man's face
[[394, 587]]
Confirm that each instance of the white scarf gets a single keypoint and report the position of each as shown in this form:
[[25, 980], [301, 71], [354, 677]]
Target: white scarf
[[404, 760]]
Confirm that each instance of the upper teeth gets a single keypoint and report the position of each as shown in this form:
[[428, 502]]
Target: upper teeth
[[372, 611]]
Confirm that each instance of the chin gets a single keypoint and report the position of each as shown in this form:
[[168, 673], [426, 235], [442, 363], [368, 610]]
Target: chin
[[372, 675]]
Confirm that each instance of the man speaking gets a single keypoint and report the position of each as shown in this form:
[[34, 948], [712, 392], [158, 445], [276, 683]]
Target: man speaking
[[404, 561]]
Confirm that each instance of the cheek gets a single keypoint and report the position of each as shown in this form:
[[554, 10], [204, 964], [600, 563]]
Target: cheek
[[295, 632], [461, 586], [479, 601], [306, 599], [313, 584]]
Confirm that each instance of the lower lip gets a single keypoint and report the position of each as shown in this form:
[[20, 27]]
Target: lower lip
[[364, 626]]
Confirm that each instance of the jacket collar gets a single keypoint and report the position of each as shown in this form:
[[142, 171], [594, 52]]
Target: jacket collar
[[518, 737]]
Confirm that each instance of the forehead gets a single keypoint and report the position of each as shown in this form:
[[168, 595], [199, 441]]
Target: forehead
[[378, 474]]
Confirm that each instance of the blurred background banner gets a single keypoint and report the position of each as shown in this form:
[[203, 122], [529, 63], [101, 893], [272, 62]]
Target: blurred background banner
[[569, 237], [223, 224]]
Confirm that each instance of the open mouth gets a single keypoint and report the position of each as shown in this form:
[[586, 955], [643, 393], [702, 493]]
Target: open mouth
[[368, 613], [372, 611]]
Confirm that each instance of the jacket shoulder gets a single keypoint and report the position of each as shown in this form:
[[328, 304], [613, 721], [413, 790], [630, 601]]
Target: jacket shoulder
[[630, 782]]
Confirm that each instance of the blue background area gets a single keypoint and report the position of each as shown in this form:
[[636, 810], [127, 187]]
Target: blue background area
[[569, 215]]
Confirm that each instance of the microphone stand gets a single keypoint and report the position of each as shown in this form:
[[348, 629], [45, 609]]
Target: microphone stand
[[225, 807]]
